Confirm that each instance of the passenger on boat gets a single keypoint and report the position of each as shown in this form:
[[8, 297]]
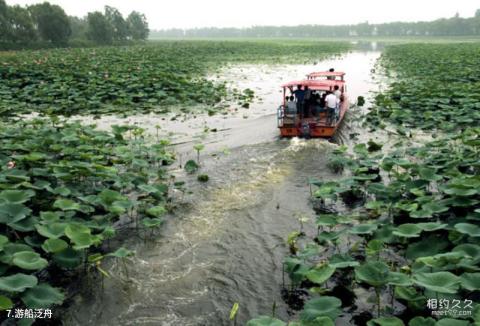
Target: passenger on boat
[[331, 77], [338, 94], [300, 96], [291, 107], [306, 102], [312, 103], [319, 105], [332, 103]]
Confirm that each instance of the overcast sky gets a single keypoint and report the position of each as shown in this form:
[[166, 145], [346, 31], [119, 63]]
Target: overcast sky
[[163, 14]]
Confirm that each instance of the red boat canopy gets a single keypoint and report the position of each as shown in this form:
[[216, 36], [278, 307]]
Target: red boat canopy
[[316, 84], [326, 74]]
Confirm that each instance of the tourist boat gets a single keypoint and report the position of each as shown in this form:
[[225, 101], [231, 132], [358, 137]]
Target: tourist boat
[[316, 124]]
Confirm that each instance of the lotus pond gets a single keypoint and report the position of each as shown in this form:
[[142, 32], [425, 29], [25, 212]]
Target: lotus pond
[[139, 79], [66, 188], [436, 86], [396, 238]]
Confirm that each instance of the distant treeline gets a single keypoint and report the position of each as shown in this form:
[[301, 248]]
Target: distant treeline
[[47, 25], [455, 26]]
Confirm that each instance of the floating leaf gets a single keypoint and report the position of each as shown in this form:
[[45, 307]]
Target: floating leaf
[[363, 229], [29, 260], [5, 303], [468, 228], [443, 282], [374, 273], [16, 196], [54, 245], [265, 321], [42, 296], [66, 205], [407, 231], [470, 281], [386, 321], [17, 282], [320, 274], [321, 307]]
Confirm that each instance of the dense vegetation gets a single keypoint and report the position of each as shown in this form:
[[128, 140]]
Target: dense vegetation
[[454, 26], [138, 79], [47, 25], [401, 231], [436, 86], [63, 186]]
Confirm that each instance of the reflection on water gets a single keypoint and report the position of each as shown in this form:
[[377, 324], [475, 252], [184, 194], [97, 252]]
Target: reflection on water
[[228, 244]]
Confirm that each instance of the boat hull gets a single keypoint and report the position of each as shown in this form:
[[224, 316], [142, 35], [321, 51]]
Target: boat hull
[[315, 127]]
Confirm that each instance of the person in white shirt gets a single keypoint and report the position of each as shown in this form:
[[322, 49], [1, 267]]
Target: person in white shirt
[[338, 94], [332, 104]]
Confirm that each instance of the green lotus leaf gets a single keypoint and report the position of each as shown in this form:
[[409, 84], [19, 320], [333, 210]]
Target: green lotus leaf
[[328, 236], [13, 212], [452, 322], [16, 196], [54, 245], [374, 273], [374, 246], [50, 217], [407, 231], [321, 307], [326, 220], [68, 258], [51, 230], [441, 260], [5, 303], [29, 260], [108, 197], [320, 274], [422, 321], [470, 281], [17, 282], [431, 226], [66, 204], [3, 241], [265, 321], [442, 282], [421, 213], [24, 225], [429, 174], [80, 235], [363, 229], [459, 190], [468, 228], [320, 321], [386, 321], [191, 166], [156, 211], [42, 296], [152, 222], [121, 253], [428, 246], [310, 250], [342, 261], [10, 249], [408, 294], [399, 279], [469, 250]]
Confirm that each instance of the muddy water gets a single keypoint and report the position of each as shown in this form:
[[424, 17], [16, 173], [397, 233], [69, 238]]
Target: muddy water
[[238, 126], [227, 243]]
